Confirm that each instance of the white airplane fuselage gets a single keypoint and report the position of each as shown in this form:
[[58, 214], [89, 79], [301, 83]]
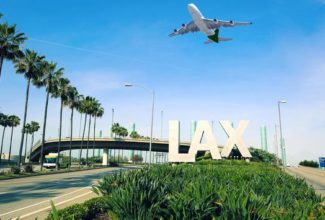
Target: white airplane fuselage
[[198, 20]]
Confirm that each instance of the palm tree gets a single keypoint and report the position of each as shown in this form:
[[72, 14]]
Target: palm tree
[[99, 112], [34, 128], [50, 81], [82, 109], [73, 102], [4, 122], [90, 111], [62, 93], [10, 43], [14, 121], [29, 65], [27, 130]]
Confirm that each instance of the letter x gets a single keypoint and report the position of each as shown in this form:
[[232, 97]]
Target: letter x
[[235, 138]]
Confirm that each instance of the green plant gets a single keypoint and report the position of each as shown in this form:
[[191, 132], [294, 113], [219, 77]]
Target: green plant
[[28, 168], [14, 170], [226, 189], [309, 163], [87, 210]]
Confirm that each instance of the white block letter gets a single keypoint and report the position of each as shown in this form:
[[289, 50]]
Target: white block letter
[[235, 138]]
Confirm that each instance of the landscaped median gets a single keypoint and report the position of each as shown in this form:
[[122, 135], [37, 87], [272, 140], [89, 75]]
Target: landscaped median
[[203, 190], [15, 172]]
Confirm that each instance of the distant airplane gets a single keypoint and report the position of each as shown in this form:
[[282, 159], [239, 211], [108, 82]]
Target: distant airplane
[[208, 26]]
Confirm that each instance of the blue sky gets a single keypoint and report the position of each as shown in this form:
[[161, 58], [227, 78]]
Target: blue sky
[[103, 44]]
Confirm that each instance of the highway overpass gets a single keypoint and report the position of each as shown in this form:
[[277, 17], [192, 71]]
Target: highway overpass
[[51, 145]]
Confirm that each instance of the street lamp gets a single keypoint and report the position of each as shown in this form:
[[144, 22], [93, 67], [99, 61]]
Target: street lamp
[[152, 110], [284, 162]]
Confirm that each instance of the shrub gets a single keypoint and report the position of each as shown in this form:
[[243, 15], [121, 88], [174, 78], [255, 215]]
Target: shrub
[[259, 155], [28, 168], [87, 210], [15, 170], [231, 189], [309, 163]]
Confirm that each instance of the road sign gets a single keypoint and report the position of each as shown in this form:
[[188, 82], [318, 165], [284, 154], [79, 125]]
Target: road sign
[[322, 162]]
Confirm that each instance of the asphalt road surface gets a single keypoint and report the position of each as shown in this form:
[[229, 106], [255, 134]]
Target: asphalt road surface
[[28, 198], [313, 176]]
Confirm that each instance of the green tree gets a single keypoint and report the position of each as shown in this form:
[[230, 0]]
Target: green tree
[[49, 80], [14, 121], [62, 93], [98, 113], [73, 102], [119, 130], [34, 127], [10, 42], [86, 107], [90, 111], [134, 135], [115, 129], [4, 122], [30, 66], [309, 163]]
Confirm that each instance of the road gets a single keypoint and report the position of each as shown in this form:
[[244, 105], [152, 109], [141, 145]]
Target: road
[[313, 176], [28, 198]]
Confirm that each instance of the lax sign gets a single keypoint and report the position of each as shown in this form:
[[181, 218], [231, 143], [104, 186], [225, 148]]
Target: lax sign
[[204, 129]]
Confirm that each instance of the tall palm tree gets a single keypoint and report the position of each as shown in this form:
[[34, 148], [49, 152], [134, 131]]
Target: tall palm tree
[[14, 121], [86, 106], [10, 42], [34, 128], [27, 130], [90, 111], [62, 93], [30, 66], [4, 122], [73, 102], [98, 113], [82, 109], [49, 80]]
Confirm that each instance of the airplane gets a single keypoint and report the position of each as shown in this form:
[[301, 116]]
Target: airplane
[[208, 26]]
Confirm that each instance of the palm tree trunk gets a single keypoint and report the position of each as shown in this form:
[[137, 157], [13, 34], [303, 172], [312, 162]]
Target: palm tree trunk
[[3, 136], [60, 131], [80, 124], [88, 139], [44, 128], [1, 62], [71, 130], [24, 123], [25, 156], [12, 131], [31, 148], [94, 136], [82, 140]]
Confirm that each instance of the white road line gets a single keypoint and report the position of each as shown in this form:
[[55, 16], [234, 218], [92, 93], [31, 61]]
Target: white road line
[[48, 207], [44, 201]]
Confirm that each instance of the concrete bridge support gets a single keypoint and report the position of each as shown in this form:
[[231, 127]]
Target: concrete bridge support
[[105, 157]]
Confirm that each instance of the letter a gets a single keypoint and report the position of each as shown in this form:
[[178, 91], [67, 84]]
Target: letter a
[[235, 138], [204, 128]]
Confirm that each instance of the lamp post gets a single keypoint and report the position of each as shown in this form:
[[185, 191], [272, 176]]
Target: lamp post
[[284, 162], [152, 110]]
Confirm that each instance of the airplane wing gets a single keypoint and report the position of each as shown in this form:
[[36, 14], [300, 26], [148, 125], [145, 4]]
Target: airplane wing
[[215, 24], [190, 27]]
